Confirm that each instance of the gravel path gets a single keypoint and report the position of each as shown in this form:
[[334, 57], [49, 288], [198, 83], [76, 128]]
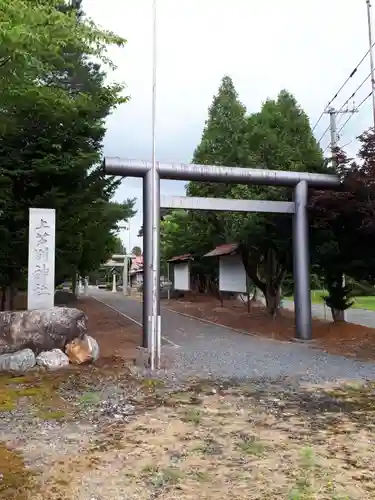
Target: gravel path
[[357, 316], [211, 351]]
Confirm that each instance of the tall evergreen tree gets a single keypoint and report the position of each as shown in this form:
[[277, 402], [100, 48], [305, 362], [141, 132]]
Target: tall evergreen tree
[[221, 144], [278, 137]]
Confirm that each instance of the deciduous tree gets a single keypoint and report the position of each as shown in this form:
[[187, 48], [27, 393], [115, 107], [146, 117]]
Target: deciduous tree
[[344, 225], [54, 101]]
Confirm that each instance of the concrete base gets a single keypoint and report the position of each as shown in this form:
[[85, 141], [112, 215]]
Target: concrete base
[[301, 341]]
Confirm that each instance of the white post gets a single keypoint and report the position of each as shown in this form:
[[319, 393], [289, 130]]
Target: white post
[[158, 343], [41, 266], [114, 286], [85, 287]]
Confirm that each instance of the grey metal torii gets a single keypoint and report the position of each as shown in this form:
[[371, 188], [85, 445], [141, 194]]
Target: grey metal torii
[[300, 181]]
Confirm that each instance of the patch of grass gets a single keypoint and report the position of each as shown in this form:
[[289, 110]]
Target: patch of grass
[[30, 392], [209, 447], [52, 415], [200, 476], [17, 482], [303, 488], [331, 489], [34, 393], [89, 398], [183, 399], [365, 302], [152, 384], [250, 445], [162, 477], [193, 415], [11, 392], [6, 403], [18, 380]]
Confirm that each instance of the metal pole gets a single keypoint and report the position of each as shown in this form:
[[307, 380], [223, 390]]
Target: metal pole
[[147, 260], [154, 206], [302, 296], [221, 174], [371, 57]]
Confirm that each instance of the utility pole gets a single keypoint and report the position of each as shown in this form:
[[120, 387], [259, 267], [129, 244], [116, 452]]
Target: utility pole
[[332, 112], [334, 137], [334, 143], [369, 22]]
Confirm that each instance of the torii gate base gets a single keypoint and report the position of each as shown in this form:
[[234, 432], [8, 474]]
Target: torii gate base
[[300, 181]]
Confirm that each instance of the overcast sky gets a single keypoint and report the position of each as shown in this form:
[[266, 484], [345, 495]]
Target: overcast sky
[[308, 48]]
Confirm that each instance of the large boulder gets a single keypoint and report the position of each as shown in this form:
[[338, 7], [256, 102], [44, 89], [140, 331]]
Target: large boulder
[[40, 330]]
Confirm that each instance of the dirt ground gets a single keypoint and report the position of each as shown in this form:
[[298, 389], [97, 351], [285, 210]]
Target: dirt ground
[[236, 443], [118, 337], [341, 338], [98, 432]]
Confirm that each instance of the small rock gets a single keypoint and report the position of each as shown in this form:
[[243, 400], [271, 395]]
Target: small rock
[[82, 350], [52, 360], [94, 347], [19, 362]]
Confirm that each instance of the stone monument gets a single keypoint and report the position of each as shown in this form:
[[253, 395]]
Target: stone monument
[[41, 267]]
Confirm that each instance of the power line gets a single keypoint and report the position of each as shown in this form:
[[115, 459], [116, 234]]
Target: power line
[[359, 105], [341, 147], [340, 89], [326, 130], [356, 90]]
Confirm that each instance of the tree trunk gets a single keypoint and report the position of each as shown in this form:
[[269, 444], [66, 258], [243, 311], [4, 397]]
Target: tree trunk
[[270, 285], [86, 287], [12, 296], [255, 296], [337, 315], [3, 297], [74, 285], [272, 302]]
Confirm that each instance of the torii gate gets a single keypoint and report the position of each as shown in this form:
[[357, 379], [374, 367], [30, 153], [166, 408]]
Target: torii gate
[[124, 264], [300, 181]]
